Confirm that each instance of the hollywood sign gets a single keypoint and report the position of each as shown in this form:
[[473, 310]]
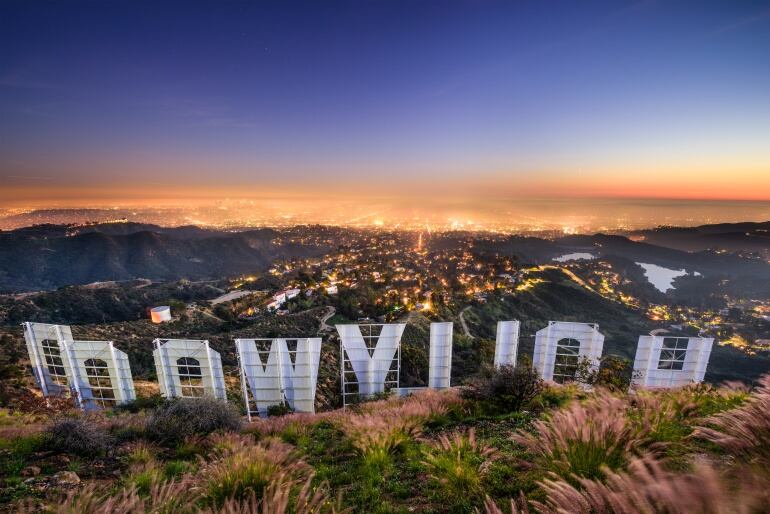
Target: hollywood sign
[[285, 370]]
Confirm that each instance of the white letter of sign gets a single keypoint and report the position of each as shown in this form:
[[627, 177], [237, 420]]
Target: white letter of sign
[[506, 343], [372, 369], [440, 360]]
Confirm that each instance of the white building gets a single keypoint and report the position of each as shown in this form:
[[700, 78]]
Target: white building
[[561, 346], [291, 293], [160, 314], [664, 361]]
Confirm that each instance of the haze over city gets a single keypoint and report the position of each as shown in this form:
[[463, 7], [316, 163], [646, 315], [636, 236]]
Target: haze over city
[[493, 114]]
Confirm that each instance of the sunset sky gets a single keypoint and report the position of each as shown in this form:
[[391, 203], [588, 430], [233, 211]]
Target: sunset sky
[[114, 100]]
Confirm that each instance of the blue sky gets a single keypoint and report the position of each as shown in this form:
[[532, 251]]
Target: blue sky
[[286, 93]]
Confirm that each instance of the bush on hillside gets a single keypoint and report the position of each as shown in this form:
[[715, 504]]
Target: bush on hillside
[[140, 404], [585, 440], [743, 431], [613, 372], [176, 420], [279, 410], [457, 464], [78, 436], [508, 388], [243, 468]]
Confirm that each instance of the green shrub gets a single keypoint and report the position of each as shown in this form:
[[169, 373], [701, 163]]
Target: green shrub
[[245, 468], [279, 410], [585, 439], [141, 453], [145, 478], [190, 448], [141, 403], [613, 373], [176, 420], [556, 396], [127, 434], [506, 388], [78, 436], [176, 468], [15, 452], [458, 464]]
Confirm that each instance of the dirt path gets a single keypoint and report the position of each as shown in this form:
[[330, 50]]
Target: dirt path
[[330, 311], [463, 323]]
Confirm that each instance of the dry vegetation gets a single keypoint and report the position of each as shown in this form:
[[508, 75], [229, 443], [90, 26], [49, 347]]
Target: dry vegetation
[[698, 449]]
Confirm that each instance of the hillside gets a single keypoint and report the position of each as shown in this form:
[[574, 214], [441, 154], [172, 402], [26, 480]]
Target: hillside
[[53, 256], [705, 262], [44, 257], [554, 295], [485, 448], [732, 237], [560, 298]]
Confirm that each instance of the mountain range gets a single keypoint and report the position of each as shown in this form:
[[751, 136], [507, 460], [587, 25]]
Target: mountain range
[[50, 256], [44, 257]]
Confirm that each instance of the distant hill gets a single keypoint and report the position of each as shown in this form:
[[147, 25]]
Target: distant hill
[[561, 299], [732, 237], [706, 262], [44, 257], [50, 256]]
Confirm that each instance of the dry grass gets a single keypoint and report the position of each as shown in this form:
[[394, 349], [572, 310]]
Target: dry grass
[[139, 452], [519, 506], [275, 425], [602, 453], [585, 439], [244, 477], [276, 500], [164, 498], [244, 468], [744, 431], [648, 488], [458, 463], [381, 427]]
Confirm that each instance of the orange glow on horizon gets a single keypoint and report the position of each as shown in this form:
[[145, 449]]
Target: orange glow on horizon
[[717, 182]]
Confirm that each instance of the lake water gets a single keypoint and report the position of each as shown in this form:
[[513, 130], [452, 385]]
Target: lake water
[[575, 257], [660, 277]]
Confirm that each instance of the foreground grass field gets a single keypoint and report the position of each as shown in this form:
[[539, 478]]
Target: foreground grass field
[[697, 449]]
